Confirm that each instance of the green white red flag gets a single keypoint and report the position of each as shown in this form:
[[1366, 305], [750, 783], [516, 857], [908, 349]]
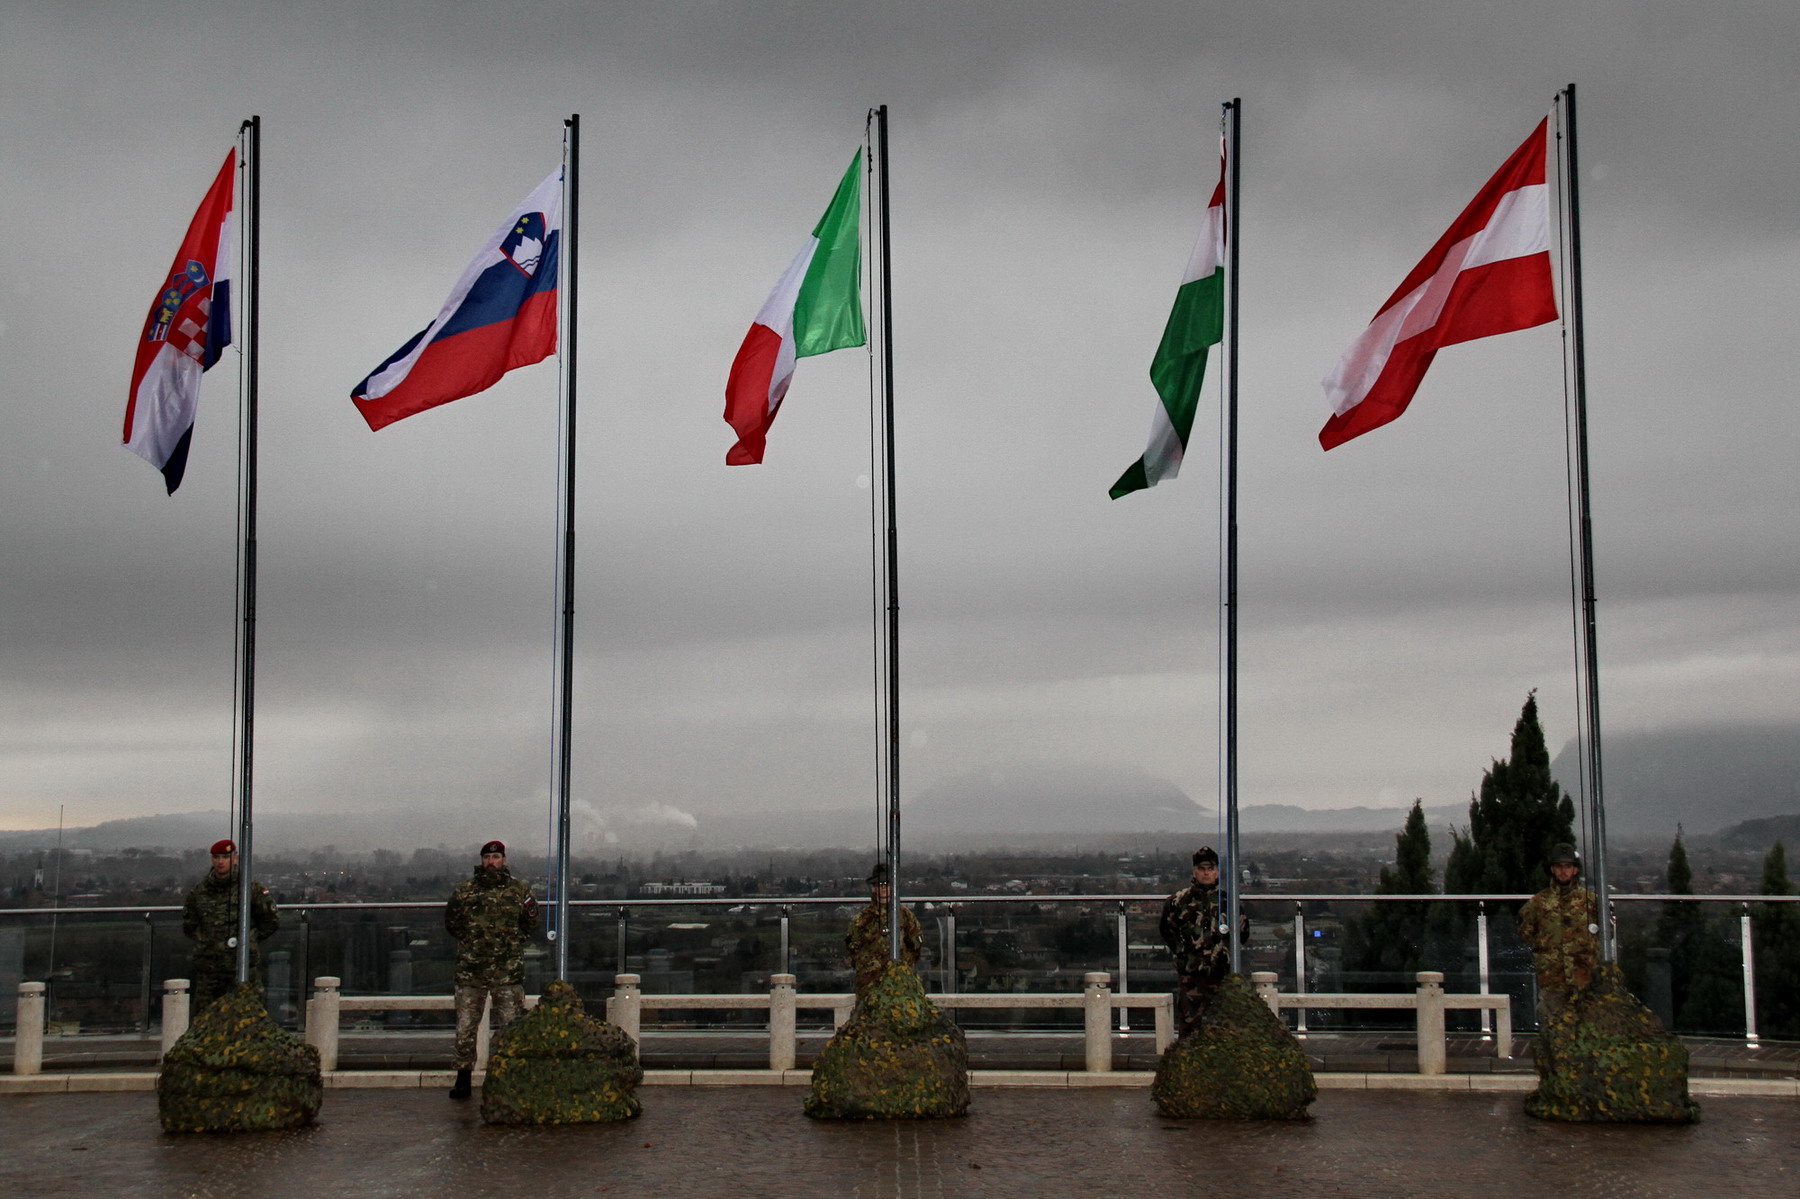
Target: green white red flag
[[1196, 324], [816, 307]]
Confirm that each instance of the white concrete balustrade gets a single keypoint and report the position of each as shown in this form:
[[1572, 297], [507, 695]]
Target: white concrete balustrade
[[1428, 1001], [783, 1002]]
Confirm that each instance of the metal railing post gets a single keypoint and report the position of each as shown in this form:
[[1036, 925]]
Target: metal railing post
[[950, 979], [781, 1022], [1124, 970], [1299, 966], [301, 975], [1097, 1007], [28, 1041], [175, 1012], [784, 964], [144, 976], [322, 1021], [1749, 977], [1481, 964], [623, 914], [1431, 1022]]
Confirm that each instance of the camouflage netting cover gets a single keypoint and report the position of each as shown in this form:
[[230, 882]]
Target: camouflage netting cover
[[1243, 1064], [1604, 1057], [235, 1070], [558, 1065], [897, 1058]]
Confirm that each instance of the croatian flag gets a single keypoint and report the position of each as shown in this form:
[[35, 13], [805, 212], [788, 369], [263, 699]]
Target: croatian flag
[[188, 327], [500, 315]]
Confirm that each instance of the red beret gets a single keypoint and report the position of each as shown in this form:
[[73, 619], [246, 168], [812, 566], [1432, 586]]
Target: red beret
[[494, 847], [225, 846]]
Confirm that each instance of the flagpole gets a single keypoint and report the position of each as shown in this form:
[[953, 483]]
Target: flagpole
[[893, 555], [251, 133], [1233, 113], [565, 725], [1577, 348]]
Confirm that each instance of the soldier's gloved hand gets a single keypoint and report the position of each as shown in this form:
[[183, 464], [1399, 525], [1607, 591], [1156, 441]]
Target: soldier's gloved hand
[[231, 942]]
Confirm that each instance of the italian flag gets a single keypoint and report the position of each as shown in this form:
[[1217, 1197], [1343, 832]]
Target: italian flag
[[1196, 324], [815, 308], [1489, 273]]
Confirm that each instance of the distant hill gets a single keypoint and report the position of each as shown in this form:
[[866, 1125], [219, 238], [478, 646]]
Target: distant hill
[[1762, 835], [1705, 778], [1045, 798]]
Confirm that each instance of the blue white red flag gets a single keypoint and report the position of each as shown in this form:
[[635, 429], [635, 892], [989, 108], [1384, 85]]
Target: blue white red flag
[[188, 327], [500, 315]]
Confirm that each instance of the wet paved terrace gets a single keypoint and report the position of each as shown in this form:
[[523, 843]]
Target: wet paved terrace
[[748, 1142]]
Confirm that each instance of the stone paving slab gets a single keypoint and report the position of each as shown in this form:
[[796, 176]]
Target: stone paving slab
[[752, 1142]]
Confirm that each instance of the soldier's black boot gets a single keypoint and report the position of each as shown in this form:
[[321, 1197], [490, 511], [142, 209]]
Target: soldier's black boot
[[464, 1085]]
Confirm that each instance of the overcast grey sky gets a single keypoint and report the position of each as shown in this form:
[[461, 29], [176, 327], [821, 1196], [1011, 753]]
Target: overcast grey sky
[[1050, 162]]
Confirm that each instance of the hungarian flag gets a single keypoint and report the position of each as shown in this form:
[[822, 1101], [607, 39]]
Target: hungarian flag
[[1196, 324], [815, 308], [188, 327], [500, 315], [1488, 274]]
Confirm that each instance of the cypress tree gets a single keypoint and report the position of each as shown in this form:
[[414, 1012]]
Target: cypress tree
[[1703, 960], [1775, 929], [1516, 817], [1391, 938]]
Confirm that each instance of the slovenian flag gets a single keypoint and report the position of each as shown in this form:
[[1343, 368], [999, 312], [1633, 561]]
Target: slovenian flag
[[1489, 273], [500, 315], [816, 307], [188, 327]]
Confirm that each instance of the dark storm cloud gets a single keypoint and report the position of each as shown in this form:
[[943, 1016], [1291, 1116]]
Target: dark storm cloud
[[1400, 594]]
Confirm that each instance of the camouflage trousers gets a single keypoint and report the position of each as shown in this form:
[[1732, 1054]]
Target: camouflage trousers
[[1193, 996], [471, 1005]]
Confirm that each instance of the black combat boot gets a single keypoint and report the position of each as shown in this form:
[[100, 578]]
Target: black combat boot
[[463, 1088]]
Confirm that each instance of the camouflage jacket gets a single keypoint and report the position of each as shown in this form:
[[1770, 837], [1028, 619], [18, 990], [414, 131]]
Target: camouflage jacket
[[867, 942], [1561, 924], [491, 916], [1191, 928], [210, 919]]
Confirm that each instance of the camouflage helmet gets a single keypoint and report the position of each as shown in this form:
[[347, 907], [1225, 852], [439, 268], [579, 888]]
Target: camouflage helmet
[[1563, 854], [1206, 856], [878, 877]]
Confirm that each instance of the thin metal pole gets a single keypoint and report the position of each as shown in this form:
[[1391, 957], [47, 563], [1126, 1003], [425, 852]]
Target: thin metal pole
[[624, 913], [252, 272], [1232, 880], [1571, 177], [893, 550], [565, 672]]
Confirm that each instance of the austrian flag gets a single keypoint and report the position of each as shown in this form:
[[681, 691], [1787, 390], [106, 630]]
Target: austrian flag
[[1489, 273], [188, 327]]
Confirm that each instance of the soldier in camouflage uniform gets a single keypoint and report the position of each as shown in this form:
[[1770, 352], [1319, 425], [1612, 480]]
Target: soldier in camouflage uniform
[[210, 920], [867, 939], [1193, 927], [491, 916], [1561, 923]]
